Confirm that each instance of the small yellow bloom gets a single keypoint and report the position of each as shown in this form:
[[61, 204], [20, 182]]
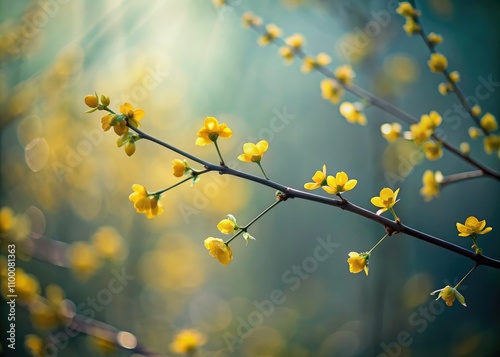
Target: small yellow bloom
[[431, 121], [472, 227], [248, 20], [133, 115], [433, 150], [411, 27], [130, 148], [310, 63], [352, 112], [420, 133], [179, 167], [434, 38], [476, 110], [474, 132], [6, 219], [145, 202], [319, 179], [227, 225], [432, 182], [448, 294], [272, 32], [92, 101], [358, 262], [437, 63], [386, 200], [445, 88], [187, 342], [287, 53], [34, 345], [331, 90], [108, 121], [211, 131], [406, 9], [105, 100], [295, 41], [465, 148], [391, 132], [219, 250], [253, 152], [492, 143], [488, 122], [455, 76], [344, 74], [339, 183]]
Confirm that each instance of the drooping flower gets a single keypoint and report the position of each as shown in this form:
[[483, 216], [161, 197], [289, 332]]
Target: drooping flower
[[448, 294], [437, 62], [253, 152], [331, 90], [353, 113], [219, 250], [179, 167], [358, 262], [431, 183], [319, 179], [211, 131], [187, 342], [391, 132], [386, 200], [228, 225], [272, 32], [145, 202], [472, 227], [339, 183]]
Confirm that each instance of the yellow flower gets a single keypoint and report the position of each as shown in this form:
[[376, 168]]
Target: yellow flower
[[331, 90], [448, 294], [248, 20], [92, 101], [219, 250], [488, 122], [474, 132], [145, 202], [287, 53], [310, 63], [219, 3], [108, 121], [391, 131], [179, 167], [455, 76], [34, 345], [319, 179], [344, 74], [386, 200], [476, 110], [433, 150], [472, 227], [465, 148], [6, 219], [211, 131], [83, 259], [352, 112], [130, 148], [228, 225], [109, 244], [437, 63], [432, 182], [358, 262], [295, 41], [445, 88], [406, 9], [339, 183], [27, 287], [431, 121], [272, 32], [253, 152], [133, 115], [434, 38], [411, 27], [492, 143], [420, 133], [187, 341], [105, 100]]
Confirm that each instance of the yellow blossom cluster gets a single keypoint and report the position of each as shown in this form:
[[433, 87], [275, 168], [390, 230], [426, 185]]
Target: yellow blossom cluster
[[411, 15], [421, 132]]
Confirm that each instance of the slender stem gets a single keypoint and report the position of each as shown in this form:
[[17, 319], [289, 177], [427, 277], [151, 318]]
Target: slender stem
[[461, 177], [376, 245], [466, 275], [343, 204], [394, 214], [244, 229], [262, 169], [178, 183], [218, 152]]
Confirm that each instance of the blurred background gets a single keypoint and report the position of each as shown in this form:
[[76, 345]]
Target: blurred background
[[80, 245]]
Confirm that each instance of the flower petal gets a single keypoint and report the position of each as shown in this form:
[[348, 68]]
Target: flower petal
[[262, 146]]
